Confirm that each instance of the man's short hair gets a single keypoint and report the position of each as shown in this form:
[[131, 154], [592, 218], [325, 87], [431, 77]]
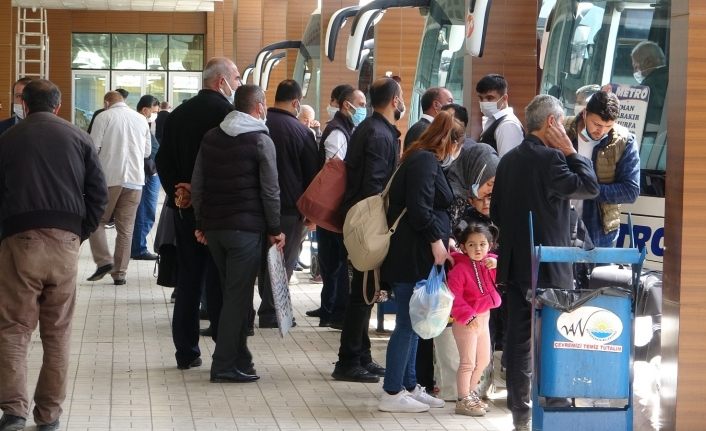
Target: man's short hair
[[24, 81], [113, 97], [307, 112], [216, 67], [247, 97], [383, 91], [147, 101], [605, 105], [429, 97], [345, 94], [164, 105], [41, 95], [288, 90], [492, 82], [123, 92], [460, 112], [336, 92], [540, 108]]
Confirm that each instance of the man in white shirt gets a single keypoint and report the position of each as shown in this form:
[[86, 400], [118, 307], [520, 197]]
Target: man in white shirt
[[432, 101], [502, 130], [122, 138]]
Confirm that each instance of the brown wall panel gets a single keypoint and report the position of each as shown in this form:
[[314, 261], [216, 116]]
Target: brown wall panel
[[274, 29], [397, 40], [7, 52], [510, 50], [298, 14], [248, 32]]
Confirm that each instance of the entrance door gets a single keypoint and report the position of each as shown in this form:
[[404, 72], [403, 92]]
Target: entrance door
[[88, 89], [141, 83]]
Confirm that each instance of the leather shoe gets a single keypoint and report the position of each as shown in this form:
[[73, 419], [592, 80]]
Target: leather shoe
[[101, 271], [119, 281], [335, 324], [195, 363], [375, 369], [354, 374], [314, 313], [145, 256], [54, 426], [12, 423], [207, 332], [234, 376], [251, 332]]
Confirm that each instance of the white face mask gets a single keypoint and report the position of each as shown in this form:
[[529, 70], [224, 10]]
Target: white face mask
[[230, 98], [587, 137], [638, 77], [489, 108], [18, 110], [152, 118], [331, 111]]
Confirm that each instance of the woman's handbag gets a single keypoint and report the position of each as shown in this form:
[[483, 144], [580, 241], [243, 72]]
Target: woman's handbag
[[430, 305], [321, 201]]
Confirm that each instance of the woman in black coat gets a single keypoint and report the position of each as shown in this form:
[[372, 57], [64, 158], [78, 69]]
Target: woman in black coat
[[420, 242]]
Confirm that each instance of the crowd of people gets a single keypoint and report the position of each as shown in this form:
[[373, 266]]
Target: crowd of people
[[233, 169]]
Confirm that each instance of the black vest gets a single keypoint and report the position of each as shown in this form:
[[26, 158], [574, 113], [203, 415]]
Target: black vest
[[338, 122], [488, 136]]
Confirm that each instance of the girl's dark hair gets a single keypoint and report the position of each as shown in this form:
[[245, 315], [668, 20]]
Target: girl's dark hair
[[464, 229]]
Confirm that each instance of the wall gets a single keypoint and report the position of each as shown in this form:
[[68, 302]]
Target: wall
[[511, 51], [7, 51], [62, 23]]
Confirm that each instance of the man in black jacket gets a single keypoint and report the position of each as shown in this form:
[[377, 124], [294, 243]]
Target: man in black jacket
[[52, 195], [183, 131], [17, 112], [297, 164], [373, 152], [432, 101], [540, 175], [236, 202]]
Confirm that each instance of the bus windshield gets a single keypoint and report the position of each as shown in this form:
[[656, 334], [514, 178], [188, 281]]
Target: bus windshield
[[308, 65], [592, 43], [441, 54]]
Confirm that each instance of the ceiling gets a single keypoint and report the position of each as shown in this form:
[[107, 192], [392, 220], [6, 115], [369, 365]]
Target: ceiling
[[131, 5]]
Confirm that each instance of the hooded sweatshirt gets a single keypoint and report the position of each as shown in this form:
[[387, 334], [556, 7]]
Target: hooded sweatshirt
[[234, 185], [470, 297]]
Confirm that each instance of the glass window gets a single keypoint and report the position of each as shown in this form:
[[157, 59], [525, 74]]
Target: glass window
[[130, 51], [88, 91], [157, 52], [90, 51], [186, 52], [183, 86]]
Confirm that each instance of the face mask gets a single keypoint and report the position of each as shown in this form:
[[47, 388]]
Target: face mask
[[448, 160], [476, 186], [489, 108], [359, 115], [331, 111], [589, 139], [152, 118], [399, 112], [230, 98], [18, 110], [638, 77]]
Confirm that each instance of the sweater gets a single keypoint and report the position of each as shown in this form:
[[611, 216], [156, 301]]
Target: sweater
[[470, 298]]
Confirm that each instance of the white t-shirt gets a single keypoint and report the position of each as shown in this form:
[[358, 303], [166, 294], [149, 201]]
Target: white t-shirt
[[509, 134], [336, 145]]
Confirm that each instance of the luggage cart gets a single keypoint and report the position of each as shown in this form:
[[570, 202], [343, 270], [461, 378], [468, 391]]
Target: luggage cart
[[583, 345]]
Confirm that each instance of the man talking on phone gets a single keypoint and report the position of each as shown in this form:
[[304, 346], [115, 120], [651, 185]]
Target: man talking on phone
[[541, 175]]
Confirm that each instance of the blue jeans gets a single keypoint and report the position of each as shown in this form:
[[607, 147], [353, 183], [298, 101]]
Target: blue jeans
[[333, 261], [144, 218], [402, 349]]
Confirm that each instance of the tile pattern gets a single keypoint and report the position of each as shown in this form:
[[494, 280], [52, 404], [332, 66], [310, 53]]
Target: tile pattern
[[124, 376]]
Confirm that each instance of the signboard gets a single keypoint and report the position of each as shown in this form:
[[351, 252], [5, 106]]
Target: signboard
[[589, 328], [280, 290], [633, 107]]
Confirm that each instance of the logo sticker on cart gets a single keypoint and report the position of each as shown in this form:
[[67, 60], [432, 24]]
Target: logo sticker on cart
[[589, 328]]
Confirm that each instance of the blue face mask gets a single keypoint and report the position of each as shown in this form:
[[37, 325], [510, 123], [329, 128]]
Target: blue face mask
[[359, 115]]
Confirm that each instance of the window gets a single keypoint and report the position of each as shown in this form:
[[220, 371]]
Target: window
[[185, 52], [90, 51]]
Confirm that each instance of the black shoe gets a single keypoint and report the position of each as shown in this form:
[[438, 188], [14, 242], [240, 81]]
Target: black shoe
[[206, 332], [110, 225], [251, 332], [172, 298], [101, 271], [375, 369], [235, 376], [335, 324], [49, 427], [249, 369], [314, 313], [195, 363], [354, 374], [12, 423], [203, 314], [119, 281], [145, 256]]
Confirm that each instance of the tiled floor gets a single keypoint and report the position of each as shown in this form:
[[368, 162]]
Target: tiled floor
[[123, 375]]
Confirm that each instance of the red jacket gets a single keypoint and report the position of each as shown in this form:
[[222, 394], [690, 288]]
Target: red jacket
[[469, 298]]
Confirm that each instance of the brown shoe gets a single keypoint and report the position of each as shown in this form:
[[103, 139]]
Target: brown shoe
[[469, 406]]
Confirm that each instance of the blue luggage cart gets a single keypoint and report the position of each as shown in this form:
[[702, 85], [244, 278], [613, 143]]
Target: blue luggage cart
[[583, 346]]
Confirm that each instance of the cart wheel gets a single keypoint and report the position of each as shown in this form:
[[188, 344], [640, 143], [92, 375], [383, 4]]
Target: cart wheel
[[314, 269]]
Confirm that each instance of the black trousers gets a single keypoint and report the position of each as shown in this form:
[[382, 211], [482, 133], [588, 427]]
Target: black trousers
[[333, 261], [425, 364], [355, 342], [196, 268], [518, 353]]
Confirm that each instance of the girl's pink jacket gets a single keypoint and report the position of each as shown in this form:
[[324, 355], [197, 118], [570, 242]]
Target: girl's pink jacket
[[469, 298]]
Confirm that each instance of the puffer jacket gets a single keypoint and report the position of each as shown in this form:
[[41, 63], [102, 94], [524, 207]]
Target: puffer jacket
[[470, 299]]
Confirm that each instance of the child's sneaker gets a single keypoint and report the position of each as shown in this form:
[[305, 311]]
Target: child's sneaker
[[420, 394], [469, 406], [483, 404]]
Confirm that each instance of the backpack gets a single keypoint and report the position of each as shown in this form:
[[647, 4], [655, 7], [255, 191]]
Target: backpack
[[366, 233]]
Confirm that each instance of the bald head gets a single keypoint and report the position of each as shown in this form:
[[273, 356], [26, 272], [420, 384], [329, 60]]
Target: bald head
[[221, 74], [306, 115], [111, 98]]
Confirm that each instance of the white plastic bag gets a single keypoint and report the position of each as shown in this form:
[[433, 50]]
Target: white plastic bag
[[430, 305]]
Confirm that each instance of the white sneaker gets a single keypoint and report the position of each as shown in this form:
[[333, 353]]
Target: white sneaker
[[420, 394], [401, 402]]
